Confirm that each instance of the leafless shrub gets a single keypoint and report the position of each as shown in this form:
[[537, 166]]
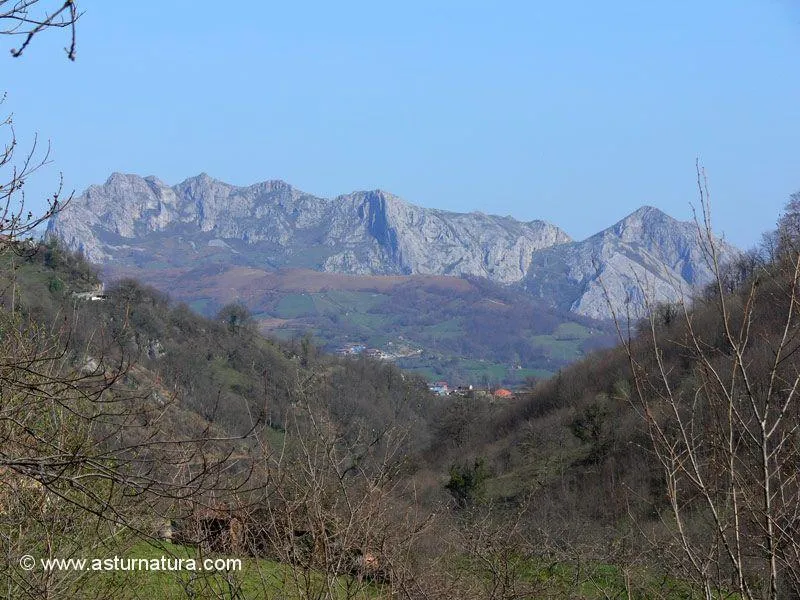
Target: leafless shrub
[[718, 395]]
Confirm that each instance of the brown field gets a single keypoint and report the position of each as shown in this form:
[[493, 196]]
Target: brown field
[[249, 283]]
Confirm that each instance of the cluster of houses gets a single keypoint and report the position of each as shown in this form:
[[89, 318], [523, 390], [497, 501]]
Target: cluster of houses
[[357, 349], [351, 349], [441, 388]]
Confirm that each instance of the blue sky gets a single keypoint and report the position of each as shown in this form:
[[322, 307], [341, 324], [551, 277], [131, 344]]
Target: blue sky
[[575, 112]]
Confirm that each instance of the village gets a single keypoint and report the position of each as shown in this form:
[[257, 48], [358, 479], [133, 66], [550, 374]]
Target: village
[[442, 388], [395, 353]]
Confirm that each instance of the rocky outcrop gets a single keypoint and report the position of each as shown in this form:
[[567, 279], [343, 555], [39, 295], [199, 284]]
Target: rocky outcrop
[[413, 240]]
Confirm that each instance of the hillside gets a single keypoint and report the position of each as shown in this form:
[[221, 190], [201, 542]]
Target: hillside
[[211, 363], [677, 435], [467, 331]]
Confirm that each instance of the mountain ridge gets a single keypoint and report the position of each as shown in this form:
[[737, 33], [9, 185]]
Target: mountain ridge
[[273, 224], [360, 228]]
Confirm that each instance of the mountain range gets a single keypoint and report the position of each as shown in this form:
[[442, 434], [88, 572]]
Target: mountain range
[[130, 221]]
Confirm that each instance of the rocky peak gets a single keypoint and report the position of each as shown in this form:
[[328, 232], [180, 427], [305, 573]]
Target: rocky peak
[[646, 256], [376, 212], [643, 219], [202, 188], [122, 184], [645, 225]]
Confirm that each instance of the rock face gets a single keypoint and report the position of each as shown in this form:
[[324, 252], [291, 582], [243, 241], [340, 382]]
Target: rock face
[[142, 222], [360, 233]]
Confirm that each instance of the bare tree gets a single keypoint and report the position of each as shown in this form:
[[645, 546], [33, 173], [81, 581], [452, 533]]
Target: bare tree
[[16, 221], [28, 18], [333, 506], [788, 231], [84, 457], [717, 389], [82, 442]]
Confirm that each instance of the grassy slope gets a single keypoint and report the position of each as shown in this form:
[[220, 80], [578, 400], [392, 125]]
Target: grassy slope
[[260, 578]]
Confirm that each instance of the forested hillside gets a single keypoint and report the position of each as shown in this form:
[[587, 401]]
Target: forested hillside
[[133, 412], [678, 448]]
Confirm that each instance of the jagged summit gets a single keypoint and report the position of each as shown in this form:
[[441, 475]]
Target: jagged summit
[[129, 219], [647, 211], [643, 221], [364, 232]]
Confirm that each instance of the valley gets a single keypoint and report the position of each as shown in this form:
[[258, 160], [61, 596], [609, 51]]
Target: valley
[[467, 331], [470, 298]]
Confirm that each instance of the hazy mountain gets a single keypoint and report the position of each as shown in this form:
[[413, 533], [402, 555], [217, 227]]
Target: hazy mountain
[[143, 223], [647, 252], [360, 233]]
